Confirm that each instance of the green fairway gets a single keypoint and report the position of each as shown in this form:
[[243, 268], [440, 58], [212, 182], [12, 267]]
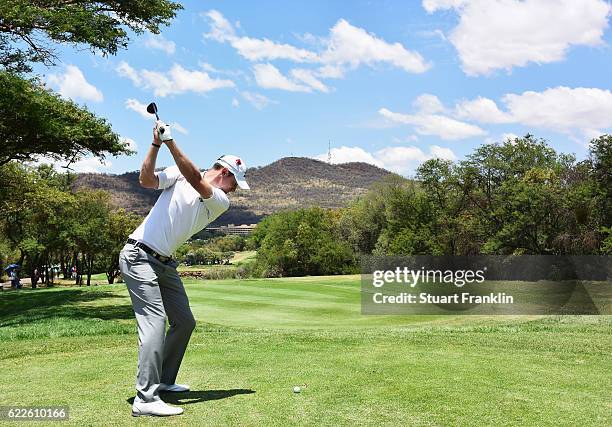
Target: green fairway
[[257, 339]]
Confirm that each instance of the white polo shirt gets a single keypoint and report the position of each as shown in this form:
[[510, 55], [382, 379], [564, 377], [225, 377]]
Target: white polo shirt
[[179, 213]]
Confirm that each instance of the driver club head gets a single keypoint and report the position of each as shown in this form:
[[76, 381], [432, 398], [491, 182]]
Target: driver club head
[[152, 109]]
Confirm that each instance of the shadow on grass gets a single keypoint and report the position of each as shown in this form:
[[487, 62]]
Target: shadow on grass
[[30, 306], [199, 396]]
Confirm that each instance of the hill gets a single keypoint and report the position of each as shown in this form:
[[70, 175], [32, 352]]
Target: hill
[[288, 183]]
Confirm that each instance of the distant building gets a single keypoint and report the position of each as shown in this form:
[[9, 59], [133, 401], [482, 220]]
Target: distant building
[[240, 230]]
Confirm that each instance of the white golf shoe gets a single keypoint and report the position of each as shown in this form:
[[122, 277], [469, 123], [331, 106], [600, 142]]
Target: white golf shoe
[[173, 387], [158, 408]]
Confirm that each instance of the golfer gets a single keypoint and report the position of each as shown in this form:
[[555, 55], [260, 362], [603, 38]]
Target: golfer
[[189, 201]]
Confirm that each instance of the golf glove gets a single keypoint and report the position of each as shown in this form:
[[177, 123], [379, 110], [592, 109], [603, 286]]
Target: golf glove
[[163, 131]]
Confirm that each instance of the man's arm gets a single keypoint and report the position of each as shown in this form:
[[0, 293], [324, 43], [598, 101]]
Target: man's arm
[[189, 170], [147, 177]]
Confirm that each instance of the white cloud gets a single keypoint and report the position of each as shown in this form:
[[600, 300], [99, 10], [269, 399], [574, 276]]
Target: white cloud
[[125, 70], [350, 154], [442, 153], [264, 49], [403, 160], [432, 6], [346, 47], [269, 77], [502, 34], [90, 165], [221, 29], [590, 134], [251, 48], [177, 80], [310, 39], [177, 127], [482, 110], [72, 84], [158, 42], [331, 72], [400, 158], [139, 107], [509, 136], [308, 77], [561, 109], [434, 124], [257, 100], [208, 67], [131, 144], [235, 102], [85, 165], [353, 46], [428, 103]]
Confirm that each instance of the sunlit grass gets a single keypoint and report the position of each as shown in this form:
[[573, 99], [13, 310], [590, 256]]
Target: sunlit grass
[[256, 339]]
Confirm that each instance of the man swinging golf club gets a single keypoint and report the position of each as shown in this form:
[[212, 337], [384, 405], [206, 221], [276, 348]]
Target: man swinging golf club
[[190, 200]]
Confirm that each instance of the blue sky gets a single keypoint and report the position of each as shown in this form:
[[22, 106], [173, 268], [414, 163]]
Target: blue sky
[[392, 83]]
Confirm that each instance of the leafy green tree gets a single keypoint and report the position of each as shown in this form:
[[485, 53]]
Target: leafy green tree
[[362, 222], [88, 231], [35, 121], [227, 243], [454, 224], [600, 160], [34, 215], [302, 242], [409, 217], [517, 190], [30, 28], [116, 231]]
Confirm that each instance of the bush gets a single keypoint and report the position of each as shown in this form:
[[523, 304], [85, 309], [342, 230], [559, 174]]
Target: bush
[[302, 242]]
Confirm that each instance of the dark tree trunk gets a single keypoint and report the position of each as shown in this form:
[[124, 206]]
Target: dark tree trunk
[[79, 270], [34, 266], [89, 261], [113, 270]]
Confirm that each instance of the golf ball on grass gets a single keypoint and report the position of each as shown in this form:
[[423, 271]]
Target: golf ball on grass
[[297, 389]]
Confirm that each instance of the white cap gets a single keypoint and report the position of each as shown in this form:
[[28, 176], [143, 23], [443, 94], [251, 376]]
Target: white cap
[[237, 167]]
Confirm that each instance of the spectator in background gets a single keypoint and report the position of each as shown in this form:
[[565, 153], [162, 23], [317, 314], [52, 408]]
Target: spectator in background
[[15, 283], [35, 277]]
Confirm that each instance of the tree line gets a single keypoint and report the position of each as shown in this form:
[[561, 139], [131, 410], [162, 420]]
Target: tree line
[[42, 222], [515, 197], [44, 225]]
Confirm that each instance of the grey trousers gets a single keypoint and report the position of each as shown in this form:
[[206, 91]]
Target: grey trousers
[[156, 290]]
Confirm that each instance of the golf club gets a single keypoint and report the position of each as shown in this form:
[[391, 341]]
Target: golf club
[[152, 109]]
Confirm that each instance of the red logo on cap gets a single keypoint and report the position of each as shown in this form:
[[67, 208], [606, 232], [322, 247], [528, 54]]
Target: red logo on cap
[[238, 162]]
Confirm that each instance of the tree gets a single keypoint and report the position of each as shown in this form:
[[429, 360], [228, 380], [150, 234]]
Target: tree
[[517, 190], [409, 218], [35, 121], [88, 231], [302, 242], [116, 231], [600, 159], [362, 222], [34, 214], [29, 28]]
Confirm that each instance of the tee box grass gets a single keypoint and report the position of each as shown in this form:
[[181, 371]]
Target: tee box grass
[[258, 339]]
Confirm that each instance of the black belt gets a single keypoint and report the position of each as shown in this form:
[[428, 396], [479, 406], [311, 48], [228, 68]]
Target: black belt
[[159, 257]]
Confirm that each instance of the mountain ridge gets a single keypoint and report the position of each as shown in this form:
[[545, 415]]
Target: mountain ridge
[[287, 183]]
